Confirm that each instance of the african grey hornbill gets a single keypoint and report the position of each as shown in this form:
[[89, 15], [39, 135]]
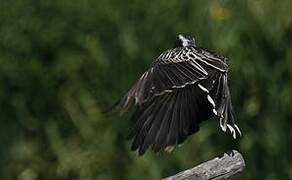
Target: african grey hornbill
[[185, 86]]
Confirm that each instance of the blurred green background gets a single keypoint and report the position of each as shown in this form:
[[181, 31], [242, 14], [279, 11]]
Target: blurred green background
[[63, 62]]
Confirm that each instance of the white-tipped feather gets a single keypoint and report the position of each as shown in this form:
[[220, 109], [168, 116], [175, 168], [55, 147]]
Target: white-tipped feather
[[234, 134], [215, 112], [211, 100], [218, 68], [199, 67], [232, 130], [237, 128], [203, 88], [222, 125]]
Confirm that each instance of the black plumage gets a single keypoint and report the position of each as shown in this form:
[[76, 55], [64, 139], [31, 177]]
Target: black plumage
[[185, 86]]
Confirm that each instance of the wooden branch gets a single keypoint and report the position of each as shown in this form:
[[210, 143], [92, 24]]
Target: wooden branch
[[225, 167]]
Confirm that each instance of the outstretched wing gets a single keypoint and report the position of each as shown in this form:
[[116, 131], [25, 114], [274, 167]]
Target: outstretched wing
[[173, 69], [167, 120], [183, 87]]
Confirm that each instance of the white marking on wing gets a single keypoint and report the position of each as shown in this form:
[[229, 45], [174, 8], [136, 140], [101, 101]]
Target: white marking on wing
[[215, 112], [222, 70], [203, 88], [237, 128], [222, 125], [198, 66], [165, 91], [211, 100], [232, 131]]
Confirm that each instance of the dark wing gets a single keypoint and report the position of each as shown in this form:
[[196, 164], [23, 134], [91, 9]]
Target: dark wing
[[173, 69], [223, 106], [181, 89], [167, 120], [219, 92]]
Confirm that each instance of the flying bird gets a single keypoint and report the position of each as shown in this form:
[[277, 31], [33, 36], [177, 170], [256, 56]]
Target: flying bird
[[183, 87]]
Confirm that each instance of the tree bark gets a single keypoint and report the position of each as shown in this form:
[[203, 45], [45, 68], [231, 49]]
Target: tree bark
[[225, 167]]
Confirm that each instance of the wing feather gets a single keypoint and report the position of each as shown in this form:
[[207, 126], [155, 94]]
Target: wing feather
[[173, 117], [170, 71], [175, 95], [157, 119]]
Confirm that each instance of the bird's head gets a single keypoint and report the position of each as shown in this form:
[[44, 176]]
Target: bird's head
[[184, 40]]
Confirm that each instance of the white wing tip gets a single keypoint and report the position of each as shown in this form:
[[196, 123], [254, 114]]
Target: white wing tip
[[222, 125], [233, 128], [233, 131], [238, 130]]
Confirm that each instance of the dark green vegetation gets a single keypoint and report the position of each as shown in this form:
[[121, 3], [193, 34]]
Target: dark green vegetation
[[63, 62]]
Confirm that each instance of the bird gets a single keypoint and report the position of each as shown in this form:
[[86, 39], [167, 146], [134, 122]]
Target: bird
[[183, 87]]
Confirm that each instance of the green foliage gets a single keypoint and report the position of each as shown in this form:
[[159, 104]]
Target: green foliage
[[63, 62]]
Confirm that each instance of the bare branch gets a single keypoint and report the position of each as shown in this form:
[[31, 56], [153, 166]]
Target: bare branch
[[225, 167]]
